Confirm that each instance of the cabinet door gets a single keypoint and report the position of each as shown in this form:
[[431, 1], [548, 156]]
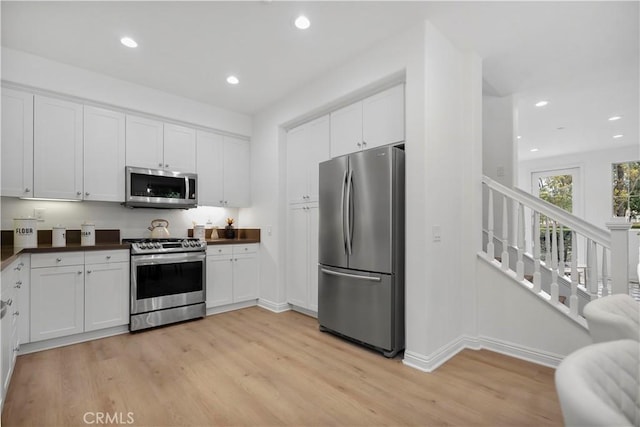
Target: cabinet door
[[57, 302], [7, 294], [297, 256], [246, 274], [179, 148], [57, 148], [23, 289], [17, 143], [317, 151], [104, 154], [237, 173], [106, 288], [383, 118], [297, 165], [312, 261], [219, 280], [144, 142], [346, 130], [210, 168]]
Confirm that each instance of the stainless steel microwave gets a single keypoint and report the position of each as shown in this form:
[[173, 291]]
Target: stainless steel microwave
[[158, 188]]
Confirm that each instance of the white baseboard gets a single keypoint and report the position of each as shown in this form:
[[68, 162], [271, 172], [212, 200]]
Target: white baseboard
[[276, 307], [32, 347], [231, 307], [304, 311], [521, 352], [431, 362]]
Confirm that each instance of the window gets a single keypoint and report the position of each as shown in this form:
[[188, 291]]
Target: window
[[626, 190]]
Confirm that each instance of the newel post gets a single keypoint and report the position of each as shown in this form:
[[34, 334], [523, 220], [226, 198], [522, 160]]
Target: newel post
[[619, 228]]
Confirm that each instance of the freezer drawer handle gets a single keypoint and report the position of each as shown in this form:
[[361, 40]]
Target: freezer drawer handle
[[353, 276]]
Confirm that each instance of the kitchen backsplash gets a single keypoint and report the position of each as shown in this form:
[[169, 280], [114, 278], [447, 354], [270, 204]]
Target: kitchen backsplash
[[132, 223]]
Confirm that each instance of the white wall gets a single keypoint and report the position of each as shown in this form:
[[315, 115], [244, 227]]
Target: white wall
[[498, 121], [30, 70], [514, 321], [442, 134], [132, 223]]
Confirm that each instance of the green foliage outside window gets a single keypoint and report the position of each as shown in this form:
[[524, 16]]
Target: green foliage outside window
[[626, 190]]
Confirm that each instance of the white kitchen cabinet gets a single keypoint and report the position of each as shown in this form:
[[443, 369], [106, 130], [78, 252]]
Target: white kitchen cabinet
[[223, 168], [307, 146], [219, 275], [21, 277], [144, 142], [210, 168], [57, 299], [233, 274], [237, 173], [10, 322], [17, 143], [106, 288], [179, 148], [104, 154], [375, 121], [57, 149], [156, 145], [302, 256]]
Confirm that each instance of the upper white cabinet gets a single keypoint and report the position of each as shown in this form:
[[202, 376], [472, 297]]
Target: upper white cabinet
[[237, 172], [223, 168], [307, 146], [179, 148], [104, 154], [145, 143], [57, 147], [157, 145], [17, 143], [375, 121]]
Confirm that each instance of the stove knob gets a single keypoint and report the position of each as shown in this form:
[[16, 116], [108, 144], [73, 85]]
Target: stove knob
[[185, 244], [194, 244], [157, 245]]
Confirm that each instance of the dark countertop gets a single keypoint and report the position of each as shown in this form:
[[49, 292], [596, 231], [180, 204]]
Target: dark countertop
[[106, 242]]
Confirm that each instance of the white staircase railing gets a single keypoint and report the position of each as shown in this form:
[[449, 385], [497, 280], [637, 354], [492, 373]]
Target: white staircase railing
[[593, 260]]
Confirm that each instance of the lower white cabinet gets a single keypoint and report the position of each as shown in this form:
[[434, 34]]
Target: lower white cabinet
[[10, 294], [233, 274], [106, 289], [302, 256], [74, 292]]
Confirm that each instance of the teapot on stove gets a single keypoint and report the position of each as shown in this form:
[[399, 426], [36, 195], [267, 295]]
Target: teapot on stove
[[159, 229]]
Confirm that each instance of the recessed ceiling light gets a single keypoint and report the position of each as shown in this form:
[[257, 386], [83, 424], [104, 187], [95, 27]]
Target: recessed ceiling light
[[541, 103], [518, 137], [233, 80], [533, 150], [302, 22], [618, 136], [614, 118], [128, 42]]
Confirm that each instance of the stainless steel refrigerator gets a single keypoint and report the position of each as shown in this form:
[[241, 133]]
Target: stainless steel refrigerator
[[361, 248]]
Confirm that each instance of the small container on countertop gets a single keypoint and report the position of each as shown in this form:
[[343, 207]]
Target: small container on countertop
[[87, 234], [25, 233], [59, 236]]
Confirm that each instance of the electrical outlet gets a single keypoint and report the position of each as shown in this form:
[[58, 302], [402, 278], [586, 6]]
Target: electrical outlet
[[269, 230], [39, 214], [436, 232]]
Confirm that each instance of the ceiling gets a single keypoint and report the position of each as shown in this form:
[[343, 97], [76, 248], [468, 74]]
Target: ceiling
[[583, 57]]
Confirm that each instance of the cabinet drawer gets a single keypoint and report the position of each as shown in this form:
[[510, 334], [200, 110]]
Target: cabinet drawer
[[102, 257], [218, 250], [251, 248], [57, 259]]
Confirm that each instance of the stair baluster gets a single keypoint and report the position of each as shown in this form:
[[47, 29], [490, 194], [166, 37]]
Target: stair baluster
[[505, 235], [606, 290], [554, 265], [491, 252], [537, 284], [520, 225], [573, 299]]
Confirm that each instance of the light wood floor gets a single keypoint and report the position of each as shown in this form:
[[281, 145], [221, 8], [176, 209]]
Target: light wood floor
[[256, 368]]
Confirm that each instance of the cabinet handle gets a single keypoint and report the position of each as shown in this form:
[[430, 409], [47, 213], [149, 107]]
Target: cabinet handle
[[359, 144], [88, 271], [16, 349], [108, 257], [159, 165], [18, 268], [9, 301], [58, 259], [16, 313], [364, 143], [86, 193], [78, 193], [79, 272], [166, 166], [27, 190], [18, 284]]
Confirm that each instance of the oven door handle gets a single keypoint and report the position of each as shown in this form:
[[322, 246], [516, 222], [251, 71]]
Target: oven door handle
[[176, 258]]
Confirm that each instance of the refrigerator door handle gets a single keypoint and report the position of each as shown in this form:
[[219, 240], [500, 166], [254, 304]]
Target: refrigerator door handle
[[344, 222], [352, 276], [349, 237]]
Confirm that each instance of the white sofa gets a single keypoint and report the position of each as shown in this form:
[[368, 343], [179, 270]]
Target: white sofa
[[613, 317], [599, 385]]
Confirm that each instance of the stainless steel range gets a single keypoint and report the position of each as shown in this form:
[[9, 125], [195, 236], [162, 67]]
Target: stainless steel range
[[168, 279]]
